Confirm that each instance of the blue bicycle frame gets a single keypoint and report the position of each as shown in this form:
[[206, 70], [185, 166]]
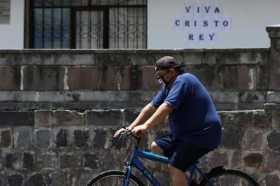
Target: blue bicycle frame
[[134, 161]]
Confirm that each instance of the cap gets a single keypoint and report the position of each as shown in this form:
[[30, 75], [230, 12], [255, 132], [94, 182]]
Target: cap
[[167, 62]]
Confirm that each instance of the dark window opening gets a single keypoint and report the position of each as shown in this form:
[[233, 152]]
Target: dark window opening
[[85, 24]]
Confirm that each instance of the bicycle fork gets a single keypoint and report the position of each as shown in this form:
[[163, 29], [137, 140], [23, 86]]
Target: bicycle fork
[[127, 175]]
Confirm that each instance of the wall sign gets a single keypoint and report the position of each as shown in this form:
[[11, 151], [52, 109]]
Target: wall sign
[[202, 21], [5, 11]]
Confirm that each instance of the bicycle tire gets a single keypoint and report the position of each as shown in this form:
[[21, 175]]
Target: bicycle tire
[[228, 177], [108, 175]]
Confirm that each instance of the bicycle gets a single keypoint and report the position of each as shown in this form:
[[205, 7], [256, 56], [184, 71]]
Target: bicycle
[[217, 176]]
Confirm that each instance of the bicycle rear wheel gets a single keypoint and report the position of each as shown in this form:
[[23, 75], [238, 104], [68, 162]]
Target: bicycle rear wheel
[[224, 177], [113, 178]]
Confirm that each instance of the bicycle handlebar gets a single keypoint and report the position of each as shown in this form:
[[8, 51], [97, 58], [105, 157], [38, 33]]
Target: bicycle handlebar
[[126, 133]]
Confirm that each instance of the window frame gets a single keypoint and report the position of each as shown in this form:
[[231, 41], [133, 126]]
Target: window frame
[[29, 31]]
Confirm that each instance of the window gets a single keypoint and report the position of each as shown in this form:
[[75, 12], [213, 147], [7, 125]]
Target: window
[[86, 24]]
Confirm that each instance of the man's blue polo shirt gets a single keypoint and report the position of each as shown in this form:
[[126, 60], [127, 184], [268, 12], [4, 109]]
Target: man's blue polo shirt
[[194, 118]]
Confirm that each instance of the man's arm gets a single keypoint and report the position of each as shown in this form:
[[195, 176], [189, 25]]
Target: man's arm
[[159, 116], [145, 113], [163, 110]]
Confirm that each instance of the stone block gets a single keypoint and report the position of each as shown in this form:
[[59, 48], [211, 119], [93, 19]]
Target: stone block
[[83, 59], [15, 119], [135, 77], [252, 97], [237, 77], [228, 77], [35, 180], [105, 117], [130, 116], [273, 140], [218, 158], [275, 119], [262, 119], [45, 57], [206, 74], [67, 118], [239, 118], [236, 160], [13, 161], [43, 118], [6, 138], [273, 96], [247, 77], [111, 160], [11, 75], [46, 160], [58, 178], [65, 59], [61, 138], [253, 57], [99, 78], [193, 57], [112, 58], [99, 139], [28, 160], [90, 161], [86, 176], [231, 137], [15, 180], [253, 160], [225, 97], [114, 77], [274, 67], [68, 58], [23, 137], [253, 140], [272, 180], [262, 77], [272, 161], [69, 161], [81, 138], [147, 78], [43, 138], [7, 58], [83, 78], [43, 78]]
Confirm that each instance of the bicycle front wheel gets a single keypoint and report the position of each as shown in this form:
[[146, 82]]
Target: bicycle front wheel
[[226, 177], [113, 178]]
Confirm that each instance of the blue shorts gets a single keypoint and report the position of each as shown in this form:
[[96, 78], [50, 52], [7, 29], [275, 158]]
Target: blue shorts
[[181, 154]]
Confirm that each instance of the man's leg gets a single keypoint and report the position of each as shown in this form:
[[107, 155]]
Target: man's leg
[[163, 145], [184, 156], [178, 177], [155, 148]]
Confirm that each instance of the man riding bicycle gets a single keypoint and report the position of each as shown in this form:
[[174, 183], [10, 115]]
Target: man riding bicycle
[[195, 127]]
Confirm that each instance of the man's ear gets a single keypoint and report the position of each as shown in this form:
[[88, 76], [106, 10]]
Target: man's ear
[[173, 71]]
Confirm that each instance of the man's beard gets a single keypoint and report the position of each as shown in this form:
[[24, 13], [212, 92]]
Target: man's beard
[[161, 81]]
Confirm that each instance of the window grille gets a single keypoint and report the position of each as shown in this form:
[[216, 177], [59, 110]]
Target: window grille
[[88, 24]]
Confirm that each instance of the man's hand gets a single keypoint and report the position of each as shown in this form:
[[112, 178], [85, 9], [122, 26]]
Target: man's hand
[[140, 130], [118, 132]]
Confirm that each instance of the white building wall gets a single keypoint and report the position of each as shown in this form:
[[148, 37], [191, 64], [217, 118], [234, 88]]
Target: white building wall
[[248, 20], [12, 34]]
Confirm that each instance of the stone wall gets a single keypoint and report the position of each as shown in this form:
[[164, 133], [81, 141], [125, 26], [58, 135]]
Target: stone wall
[[68, 147], [59, 109], [237, 79]]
